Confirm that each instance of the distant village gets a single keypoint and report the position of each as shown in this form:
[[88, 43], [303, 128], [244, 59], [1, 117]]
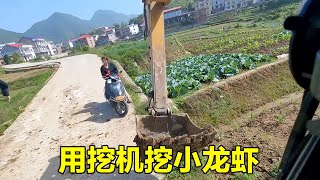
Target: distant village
[[30, 48]]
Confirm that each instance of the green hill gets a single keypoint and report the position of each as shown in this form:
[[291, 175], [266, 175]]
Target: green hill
[[60, 27], [9, 36], [109, 18]]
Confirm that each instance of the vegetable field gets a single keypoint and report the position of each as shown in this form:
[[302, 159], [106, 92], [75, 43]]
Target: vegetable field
[[189, 73], [264, 41]]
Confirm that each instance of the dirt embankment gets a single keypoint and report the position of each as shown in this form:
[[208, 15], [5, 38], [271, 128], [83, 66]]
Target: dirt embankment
[[228, 99], [255, 109]]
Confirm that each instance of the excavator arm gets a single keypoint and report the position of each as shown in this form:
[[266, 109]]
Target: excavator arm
[[161, 127], [158, 56]]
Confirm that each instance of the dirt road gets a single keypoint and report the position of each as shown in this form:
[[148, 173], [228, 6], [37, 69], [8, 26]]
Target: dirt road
[[69, 111]]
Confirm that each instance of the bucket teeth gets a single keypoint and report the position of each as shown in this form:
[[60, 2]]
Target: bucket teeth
[[154, 132]]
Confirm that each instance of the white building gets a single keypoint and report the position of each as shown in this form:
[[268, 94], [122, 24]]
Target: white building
[[41, 46], [134, 29], [215, 6], [112, 37], [236, 4], [129, 30], [26, 52], [69, 44], [218, 5]]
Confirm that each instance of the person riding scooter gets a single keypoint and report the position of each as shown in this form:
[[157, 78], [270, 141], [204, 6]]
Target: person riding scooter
[[107, 69]]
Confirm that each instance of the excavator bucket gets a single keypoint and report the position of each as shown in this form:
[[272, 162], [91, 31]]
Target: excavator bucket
[[175, 132]]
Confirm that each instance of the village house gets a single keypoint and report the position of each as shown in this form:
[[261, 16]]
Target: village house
[[129, 31], [26, 52], [41, 46], [236, 4], [102, 40], [173, 12], [202, 6], [86, 40], [68, 45]]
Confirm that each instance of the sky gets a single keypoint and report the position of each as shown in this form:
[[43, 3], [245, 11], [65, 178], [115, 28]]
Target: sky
[[20, 15]]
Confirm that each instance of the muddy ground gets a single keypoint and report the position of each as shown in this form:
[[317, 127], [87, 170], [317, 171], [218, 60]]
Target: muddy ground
[[268, 127]]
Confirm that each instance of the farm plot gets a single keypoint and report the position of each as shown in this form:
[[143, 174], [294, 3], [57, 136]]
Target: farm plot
[[189, 73], [265, 41]]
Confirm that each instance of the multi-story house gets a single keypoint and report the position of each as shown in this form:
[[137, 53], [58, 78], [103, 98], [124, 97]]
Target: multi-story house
[[218, 6], [110, 31], [203, 5], [102, 40], [69, 44], [86, 40], [112, 37], [104, 30], [41, 46], [129, 30], [236, 4], [173, 12], [26, 52]]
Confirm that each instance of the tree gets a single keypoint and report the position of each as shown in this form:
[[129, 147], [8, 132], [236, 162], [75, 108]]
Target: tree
[[85, 48], [37, 59], [123, 25], [136, 20], [116, 27], [16, 58], [190, 6], [7, 59]]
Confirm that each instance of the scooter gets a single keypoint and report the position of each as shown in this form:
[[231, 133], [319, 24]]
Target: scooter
[[116, 95]]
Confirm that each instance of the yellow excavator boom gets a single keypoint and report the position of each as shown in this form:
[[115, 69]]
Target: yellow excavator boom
[[161, 127]]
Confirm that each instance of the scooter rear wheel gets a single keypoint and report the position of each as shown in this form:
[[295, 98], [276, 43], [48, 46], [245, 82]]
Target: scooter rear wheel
[[122, 108]]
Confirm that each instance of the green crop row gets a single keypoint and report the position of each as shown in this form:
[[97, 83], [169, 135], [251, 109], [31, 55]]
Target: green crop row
[[189, 73]]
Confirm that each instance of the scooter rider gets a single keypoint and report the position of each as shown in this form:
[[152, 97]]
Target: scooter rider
[[107, 68]]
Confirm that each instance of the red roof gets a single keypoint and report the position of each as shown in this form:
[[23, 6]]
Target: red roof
[[85, 36], [15, 45], [172, 9]]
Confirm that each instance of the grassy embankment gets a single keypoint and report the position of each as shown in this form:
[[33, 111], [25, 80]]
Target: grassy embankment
[[23, 87]]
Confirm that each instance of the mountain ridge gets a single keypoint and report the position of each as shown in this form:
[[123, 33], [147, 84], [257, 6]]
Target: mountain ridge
[[60, 27]]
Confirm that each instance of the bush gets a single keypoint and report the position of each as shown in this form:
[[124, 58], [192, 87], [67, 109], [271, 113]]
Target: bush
[[37, 59], [85, 48], [16, 59], [7, 59]]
